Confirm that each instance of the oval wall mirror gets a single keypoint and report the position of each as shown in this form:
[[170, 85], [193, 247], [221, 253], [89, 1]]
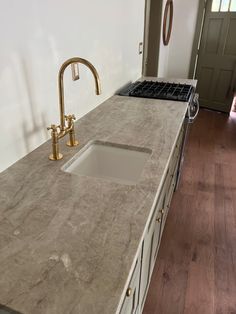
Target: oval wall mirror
[[167, 22]]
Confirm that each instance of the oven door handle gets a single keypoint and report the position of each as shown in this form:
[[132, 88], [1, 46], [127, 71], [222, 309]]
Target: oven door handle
[[195, 106]]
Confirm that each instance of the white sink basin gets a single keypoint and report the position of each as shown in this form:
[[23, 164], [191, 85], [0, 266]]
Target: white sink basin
[[119, 163]]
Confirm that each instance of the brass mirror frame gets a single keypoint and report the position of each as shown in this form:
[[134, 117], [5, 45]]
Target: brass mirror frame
[[169, 9]]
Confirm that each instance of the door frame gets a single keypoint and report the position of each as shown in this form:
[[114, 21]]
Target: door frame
[[145, 35], [197, 37], [152, 36]]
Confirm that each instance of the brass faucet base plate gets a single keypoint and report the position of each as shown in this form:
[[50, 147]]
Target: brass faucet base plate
[[51, 157], [74, 144]]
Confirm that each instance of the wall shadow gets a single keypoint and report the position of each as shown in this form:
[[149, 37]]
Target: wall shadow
[[38, 122]]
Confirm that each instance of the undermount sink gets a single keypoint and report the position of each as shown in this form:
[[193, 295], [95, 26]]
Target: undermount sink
[[119, 163]]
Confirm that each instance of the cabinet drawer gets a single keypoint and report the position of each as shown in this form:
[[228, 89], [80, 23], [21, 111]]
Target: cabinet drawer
[[131, 301]]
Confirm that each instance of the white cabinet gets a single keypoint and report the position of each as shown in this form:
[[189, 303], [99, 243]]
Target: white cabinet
[[136, 292]]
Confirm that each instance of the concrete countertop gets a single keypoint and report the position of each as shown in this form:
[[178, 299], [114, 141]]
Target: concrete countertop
[[67, 243]]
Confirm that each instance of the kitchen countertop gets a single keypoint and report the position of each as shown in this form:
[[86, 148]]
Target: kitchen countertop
[[67, 242]]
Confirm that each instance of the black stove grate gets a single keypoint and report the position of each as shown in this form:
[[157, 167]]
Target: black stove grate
[[161, 90]]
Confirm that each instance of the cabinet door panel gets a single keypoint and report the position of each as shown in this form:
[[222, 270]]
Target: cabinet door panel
[[131, 301], [145, 268], [169, 194], [156, 234], [151, 244]]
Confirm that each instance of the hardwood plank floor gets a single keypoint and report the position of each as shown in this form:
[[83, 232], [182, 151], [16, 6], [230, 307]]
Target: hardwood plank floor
[[195, 271]]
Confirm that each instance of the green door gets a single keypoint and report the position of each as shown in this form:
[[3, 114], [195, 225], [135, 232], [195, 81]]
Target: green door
[[216, 68]]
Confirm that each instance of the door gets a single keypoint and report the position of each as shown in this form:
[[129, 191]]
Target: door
[[216, 68]]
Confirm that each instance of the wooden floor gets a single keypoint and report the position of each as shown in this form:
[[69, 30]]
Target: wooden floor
[[195, 272]]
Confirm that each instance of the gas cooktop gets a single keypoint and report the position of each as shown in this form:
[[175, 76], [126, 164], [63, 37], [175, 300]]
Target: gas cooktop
[[158, 90]]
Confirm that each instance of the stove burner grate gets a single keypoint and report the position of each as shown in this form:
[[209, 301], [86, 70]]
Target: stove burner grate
[[161, 90]]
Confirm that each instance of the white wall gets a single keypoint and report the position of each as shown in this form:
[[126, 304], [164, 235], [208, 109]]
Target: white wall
[[36, 38], [175, 58]]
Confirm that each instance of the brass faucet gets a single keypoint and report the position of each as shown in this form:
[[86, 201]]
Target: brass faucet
[[59, 131]]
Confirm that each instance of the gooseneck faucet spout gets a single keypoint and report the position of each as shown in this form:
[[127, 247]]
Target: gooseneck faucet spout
[[73, 62], [62, 129]]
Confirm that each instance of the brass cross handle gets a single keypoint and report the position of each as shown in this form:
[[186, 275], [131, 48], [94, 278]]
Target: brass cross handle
[[53, 127], [70, 119]]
